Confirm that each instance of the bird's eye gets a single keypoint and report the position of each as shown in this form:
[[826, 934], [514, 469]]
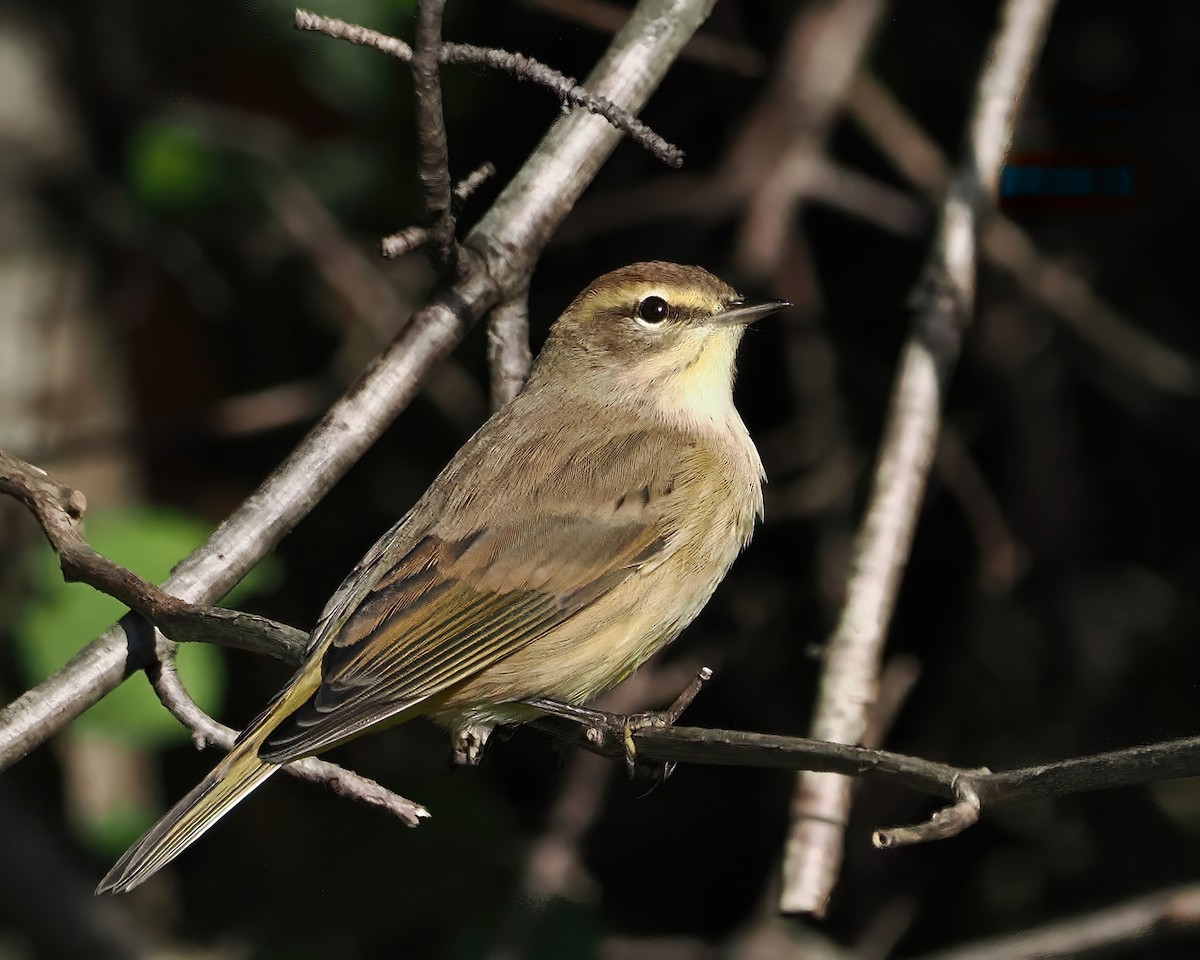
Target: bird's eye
[[652, 311]]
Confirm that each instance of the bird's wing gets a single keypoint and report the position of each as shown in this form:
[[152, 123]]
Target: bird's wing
[[453, 605]]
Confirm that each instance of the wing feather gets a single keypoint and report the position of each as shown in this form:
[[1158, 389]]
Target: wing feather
[[480, 568], [427, 629]]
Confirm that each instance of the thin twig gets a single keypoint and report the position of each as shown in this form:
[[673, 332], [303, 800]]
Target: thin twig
[[1134, 923], [509, 357], [396, 245], [433, 157], [473, 181], [947, 822], [343, 782], [1002, 558], [943, 306], [503, 248], [526, 68], [520, 66], [352, 32]]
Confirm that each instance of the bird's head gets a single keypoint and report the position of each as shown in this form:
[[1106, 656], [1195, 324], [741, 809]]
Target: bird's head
[[653, 332]]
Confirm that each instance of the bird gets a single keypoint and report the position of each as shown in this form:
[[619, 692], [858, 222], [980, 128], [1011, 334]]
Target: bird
[[576, 533]]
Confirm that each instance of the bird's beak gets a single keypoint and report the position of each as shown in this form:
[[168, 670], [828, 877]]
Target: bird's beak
[[746, 313]]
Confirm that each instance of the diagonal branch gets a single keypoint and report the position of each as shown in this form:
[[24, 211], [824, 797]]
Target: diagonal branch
[[59, 509], [942, 303], [498, 255]]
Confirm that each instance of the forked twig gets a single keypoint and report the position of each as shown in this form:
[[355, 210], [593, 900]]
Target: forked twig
[[519, 65]]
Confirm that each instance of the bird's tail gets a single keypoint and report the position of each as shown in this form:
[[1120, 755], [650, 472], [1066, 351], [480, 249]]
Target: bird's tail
[[218, 793]]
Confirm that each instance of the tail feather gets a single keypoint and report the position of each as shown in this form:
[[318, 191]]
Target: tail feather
[[218, 793], [215, 795]]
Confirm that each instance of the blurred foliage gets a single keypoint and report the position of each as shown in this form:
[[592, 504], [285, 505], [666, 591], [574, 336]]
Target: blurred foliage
[[171, 169]]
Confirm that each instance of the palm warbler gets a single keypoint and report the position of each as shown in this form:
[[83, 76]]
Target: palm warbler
[[579, 531]]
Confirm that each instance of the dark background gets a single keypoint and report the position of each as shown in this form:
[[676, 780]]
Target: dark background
[[1075, 634]]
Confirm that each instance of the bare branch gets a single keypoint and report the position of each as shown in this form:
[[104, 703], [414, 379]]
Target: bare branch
[[59, 509], [526, 68], [343, 782], [499, 252], [943, 304], [433, 156], [973, 790], [508, 348], [822, 50], [520, 66], [1134, 922], [341, 30]]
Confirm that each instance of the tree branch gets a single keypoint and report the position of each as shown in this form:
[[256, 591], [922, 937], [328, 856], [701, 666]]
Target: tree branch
[[1133, 922], [343, 782], [499, 255], [942, 303], [508, 348], [58, 508], [520, 66], [398, 244], [433, 154], [978, 788]]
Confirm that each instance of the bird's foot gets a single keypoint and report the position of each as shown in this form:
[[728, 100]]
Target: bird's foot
[[467, 743], [604, 727]]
